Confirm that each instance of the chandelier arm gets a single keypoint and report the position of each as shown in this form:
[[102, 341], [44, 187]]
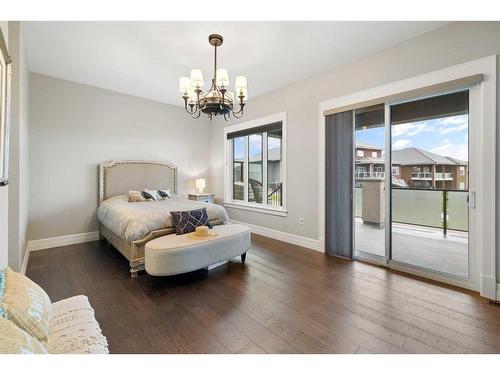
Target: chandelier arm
[[194, 115], [238, 114]]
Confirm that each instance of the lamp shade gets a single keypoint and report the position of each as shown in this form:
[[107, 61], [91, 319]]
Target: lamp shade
[[200, 184], [197, 78], [240, 83], [184, 84], [222, 77]]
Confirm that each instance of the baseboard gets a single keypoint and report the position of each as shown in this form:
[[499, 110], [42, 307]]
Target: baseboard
[[488, 286], [48, 243], [498, 292], [26, 258], [294, 239]]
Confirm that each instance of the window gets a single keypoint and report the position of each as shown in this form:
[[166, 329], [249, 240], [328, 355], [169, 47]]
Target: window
[[255, 160], [395, 171], [462, 186], [374, 154], [462, 171], [360, 153]]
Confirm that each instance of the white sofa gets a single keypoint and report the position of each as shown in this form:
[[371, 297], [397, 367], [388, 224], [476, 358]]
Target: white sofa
[[31, 323], [74, 329]]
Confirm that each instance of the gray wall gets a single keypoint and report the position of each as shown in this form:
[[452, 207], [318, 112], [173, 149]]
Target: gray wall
[[453, 44], [19, 169], [4, 192], [73, 127]]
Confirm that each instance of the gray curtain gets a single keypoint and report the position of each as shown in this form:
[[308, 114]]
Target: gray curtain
[[339, 165]]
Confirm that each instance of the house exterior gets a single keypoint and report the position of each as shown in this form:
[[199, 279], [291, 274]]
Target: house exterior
[[411, 167]]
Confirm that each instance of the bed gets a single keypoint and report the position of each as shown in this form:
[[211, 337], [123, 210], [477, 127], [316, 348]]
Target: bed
[[128, 226]]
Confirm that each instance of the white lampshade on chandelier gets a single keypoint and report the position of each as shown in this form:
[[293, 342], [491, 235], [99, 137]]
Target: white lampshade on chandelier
[[217, 100]]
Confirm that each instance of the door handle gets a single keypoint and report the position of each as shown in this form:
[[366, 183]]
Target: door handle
[[471, 199]]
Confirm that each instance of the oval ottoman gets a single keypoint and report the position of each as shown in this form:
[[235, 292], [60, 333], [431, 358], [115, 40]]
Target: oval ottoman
[[175, 254]]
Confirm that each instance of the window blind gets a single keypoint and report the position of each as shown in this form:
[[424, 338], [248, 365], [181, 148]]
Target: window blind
[[258, 129]]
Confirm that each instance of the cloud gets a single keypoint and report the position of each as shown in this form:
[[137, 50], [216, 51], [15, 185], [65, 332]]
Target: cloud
[[410, 129], [454, 150], [453, 120], [453, 124], [401, 143], [454, 129]]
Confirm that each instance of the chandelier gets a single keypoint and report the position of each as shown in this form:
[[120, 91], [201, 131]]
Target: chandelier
[[217, 100]]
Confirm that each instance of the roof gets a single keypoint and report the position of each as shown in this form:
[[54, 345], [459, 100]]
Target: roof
[[367, 146], [417, 156], [273, 154]]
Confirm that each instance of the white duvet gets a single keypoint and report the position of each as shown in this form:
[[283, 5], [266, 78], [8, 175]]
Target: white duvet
[[133, 220]]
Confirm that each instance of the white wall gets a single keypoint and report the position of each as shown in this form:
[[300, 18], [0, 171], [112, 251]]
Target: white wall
[[73, 127], [4, 191], [19, 148], [453, 44]]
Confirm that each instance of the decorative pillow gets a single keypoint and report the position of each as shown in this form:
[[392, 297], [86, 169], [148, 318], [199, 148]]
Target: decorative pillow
[[163, 194], [187, 221], [13, 340], [149, 195], [135, 196], [26, 304]]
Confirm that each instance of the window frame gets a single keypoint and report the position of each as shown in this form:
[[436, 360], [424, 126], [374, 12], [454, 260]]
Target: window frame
[[263, 207]]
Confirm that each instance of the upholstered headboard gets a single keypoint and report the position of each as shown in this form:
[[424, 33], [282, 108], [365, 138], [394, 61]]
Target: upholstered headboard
[[117, 177]]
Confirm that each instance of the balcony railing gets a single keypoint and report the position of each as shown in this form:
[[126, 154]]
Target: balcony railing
[[428, 176], [443, 176], [421, 176], [425, 207], [370, 175]]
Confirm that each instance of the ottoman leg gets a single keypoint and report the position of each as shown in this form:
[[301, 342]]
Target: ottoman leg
[[243, 257]]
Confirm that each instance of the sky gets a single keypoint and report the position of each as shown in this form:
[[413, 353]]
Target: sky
[[254, 144], [446, 136]]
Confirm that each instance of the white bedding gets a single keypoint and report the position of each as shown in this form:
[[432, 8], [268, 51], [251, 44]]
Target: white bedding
[[132, 221]]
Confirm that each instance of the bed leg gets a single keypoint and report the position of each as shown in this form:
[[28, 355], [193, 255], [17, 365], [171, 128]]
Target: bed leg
[[243, 257], [135, 267]]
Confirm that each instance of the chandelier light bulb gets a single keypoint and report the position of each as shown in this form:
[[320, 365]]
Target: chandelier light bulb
[[197, 78], [222, 77], [240, 83], [184, 84]]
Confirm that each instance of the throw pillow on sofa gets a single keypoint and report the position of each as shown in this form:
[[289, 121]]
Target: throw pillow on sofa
[[13, 340], [26, 304]]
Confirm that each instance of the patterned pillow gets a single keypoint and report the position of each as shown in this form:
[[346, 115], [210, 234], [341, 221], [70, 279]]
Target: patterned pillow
[[187, 221], [13, 340], [163, 194], [149, 195], [26, 304], [135, 196]]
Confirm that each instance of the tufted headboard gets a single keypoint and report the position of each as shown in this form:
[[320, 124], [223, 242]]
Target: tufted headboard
[[117, 177]]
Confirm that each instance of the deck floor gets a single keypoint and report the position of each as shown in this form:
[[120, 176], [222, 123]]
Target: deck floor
[[285, 299], [418, 245]]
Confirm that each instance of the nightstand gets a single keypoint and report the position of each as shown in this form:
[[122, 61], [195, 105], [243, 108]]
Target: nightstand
[[207, 198]]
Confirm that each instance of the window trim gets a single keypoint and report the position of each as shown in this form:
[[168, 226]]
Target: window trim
[[228, 177]]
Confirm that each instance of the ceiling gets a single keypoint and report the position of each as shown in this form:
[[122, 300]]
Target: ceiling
[[146, 59]]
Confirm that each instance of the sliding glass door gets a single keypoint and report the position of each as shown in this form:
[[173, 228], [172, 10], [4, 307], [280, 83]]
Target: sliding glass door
[[369, 182], [413, 185], [430, 183]]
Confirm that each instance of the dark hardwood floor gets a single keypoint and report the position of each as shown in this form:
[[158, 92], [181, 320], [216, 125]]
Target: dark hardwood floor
[[284, 299]]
